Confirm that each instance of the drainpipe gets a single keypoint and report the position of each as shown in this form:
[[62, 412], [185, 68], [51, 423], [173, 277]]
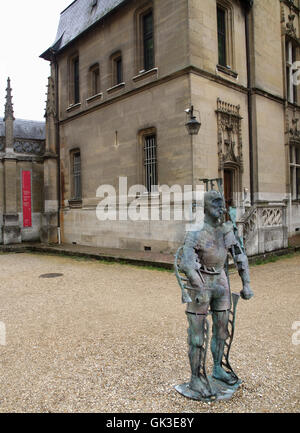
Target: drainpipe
[[57, 148], [247, 8]]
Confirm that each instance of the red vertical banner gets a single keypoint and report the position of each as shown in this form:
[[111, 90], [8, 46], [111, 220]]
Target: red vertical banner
[[26, 198]]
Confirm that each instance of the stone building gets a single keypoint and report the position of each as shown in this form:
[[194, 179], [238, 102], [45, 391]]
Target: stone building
[[22, 147], [125, 76]]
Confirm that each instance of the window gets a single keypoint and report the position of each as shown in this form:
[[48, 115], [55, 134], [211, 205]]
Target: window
[[76, 174], [150, 162], [117, 68], [225, 39], [221, 17], [291, 57], [94, 74], [295, 171], [74, 80], [148, 41], [144, 25]]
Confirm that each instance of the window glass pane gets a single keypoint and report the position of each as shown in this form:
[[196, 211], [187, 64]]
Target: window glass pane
[[77, 175], [287, 51], [119, 73], [288, 81], [150, 162], [96, 76], [291, 154], [294, 54], [76, 79], [295, 96], [292, 180], [297, 151], [148, 41], [148, 24], [221, 16], [298, 182]]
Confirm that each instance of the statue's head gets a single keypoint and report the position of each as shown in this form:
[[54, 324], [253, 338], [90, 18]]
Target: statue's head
[[213, 205]]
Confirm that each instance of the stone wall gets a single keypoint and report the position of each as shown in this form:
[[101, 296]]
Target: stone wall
[[23, 149], [106, 127]]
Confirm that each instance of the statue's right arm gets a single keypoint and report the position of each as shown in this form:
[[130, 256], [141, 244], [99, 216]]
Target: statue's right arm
[[189, 264]]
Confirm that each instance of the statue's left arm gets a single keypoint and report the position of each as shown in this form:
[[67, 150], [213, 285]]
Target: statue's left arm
[[240, 260]]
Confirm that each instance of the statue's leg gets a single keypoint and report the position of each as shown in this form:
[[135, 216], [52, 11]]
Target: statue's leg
[[197, 340], [219, 337]]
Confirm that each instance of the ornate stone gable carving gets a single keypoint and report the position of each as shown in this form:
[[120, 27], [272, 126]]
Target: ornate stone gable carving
[[288, 27], [293, 128], [271, 217], [50, 104], [294, 132], [230, 146], [27, 146], [9, 112]]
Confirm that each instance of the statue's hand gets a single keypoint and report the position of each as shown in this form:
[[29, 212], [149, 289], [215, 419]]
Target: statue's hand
[[247, 293]]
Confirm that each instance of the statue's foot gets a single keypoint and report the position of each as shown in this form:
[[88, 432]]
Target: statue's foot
[[220, 374], [199, 385]]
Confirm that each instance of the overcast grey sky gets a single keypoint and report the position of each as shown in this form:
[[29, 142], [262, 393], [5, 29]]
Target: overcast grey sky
[[27, 29]]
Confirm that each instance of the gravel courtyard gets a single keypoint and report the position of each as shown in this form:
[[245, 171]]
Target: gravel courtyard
[[112, 338]]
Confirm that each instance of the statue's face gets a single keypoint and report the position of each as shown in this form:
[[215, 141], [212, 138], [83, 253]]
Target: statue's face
[[215, 208]]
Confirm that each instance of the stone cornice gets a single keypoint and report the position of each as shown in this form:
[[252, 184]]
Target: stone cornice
[[18, 158], [191, 69]]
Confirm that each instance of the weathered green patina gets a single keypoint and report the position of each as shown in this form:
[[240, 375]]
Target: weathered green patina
[[201, 270]]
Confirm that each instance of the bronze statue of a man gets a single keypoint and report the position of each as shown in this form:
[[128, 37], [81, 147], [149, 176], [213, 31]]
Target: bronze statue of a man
[[203, 260]]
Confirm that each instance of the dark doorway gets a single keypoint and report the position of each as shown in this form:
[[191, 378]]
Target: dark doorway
[[228, 188]]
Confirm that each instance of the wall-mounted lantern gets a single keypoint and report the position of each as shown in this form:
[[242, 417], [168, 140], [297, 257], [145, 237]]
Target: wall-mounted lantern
[[192, 126]]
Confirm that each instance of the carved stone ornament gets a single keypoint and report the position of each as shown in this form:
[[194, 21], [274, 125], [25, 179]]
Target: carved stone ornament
[[9, 112], [293, 128], [230, 147], [294, 131], [291, 30], [31, 147], [50, 105]]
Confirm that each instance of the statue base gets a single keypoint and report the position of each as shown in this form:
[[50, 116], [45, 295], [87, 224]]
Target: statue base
[[221, 390]]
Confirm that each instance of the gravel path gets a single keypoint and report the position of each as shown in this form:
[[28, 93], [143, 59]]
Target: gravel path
[[112, 338]]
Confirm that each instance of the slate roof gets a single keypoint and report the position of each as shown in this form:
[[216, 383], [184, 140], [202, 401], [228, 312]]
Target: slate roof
[[30, 129], [78, 17]]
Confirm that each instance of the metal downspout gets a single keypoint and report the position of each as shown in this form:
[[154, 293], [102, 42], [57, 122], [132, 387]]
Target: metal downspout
[[247, 10]]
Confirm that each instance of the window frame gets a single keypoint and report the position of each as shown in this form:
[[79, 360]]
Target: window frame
[[229, 45], [141, 173], [118, 70], [294, 171], [74, 79], [150, 162], [94, 80], [222, 33], [116, 59], [76, 187], [139, 17], [290, 58], [148, 59]]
